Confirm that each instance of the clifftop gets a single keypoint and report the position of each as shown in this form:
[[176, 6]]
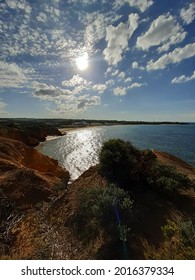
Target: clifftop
[[29, 134]]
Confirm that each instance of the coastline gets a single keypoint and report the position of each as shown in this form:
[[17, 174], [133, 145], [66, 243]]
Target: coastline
[[64, 131], [163, 156]]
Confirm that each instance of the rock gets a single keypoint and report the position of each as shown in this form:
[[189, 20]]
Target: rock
[[18, 134], [30, 135], [27, 176]]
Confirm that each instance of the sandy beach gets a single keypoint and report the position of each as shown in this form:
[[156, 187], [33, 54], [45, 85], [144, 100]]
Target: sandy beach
[[70, 129]]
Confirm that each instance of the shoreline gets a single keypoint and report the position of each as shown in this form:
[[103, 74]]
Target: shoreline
[[64, 131], [164, 157]]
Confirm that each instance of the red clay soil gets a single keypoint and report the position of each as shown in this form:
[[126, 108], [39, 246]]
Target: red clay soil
[[180, 165], [27, 176]]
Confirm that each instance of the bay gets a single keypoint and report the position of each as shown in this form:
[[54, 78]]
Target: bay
[[79, 149]]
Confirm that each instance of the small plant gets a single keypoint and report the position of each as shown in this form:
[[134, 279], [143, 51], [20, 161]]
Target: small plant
[[180, 240], [104, 209], [166, 178]]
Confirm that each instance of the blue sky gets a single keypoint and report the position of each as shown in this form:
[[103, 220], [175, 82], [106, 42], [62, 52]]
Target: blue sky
[[125, 60]]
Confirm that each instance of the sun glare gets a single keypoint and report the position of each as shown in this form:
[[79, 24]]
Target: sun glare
[[82, 62]]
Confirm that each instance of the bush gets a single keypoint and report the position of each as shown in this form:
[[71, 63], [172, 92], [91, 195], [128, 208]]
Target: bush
[[104, 209], [123, 164], [180, 240], [167, 179], [118, 160]]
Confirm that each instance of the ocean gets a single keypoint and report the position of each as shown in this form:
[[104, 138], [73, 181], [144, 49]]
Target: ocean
[[78, 150]]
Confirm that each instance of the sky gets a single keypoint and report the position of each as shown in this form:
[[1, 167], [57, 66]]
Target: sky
[[105, 59]]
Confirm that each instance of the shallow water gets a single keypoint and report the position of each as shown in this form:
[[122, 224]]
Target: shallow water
[[78, 150]]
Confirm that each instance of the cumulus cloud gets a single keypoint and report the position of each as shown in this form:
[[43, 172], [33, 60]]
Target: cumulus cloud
[[96, 30], [64, 99], [128, 80], [115, 73], [183, 79], [117, 39], [41, 17], [175, 56], [120, 91], [136, 85], [75, 81], [100, 88], [121, 75], [19, 4], [110, 83], [142, 5], [11, 75], [49, 92], [88, 102], [135, 65], [78, 84], [163, 32], [188, 14]]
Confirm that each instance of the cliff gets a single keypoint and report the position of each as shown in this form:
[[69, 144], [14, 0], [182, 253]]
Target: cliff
[[38, 211], [30, 135], [27, 176]]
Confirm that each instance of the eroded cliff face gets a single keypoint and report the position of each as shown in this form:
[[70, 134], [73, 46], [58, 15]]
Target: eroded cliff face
[[27, 176], [30, 135]]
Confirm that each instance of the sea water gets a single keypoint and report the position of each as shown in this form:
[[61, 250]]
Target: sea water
[[79, 149]]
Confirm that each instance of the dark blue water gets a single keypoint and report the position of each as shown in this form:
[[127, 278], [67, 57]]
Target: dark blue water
[[78, 150]]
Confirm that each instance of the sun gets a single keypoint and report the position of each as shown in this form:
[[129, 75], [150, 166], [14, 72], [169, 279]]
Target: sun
[[82, 62]]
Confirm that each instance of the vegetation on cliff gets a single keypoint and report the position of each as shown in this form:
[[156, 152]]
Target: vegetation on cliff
[[131, 206], [127, 166]]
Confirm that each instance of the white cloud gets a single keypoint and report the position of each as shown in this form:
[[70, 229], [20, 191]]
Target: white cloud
[[115, 73], [120, 91], [128, 80], [96, 30], [175, 56], [41, 17], [63, 99], [110, 83], [117, 38], [78, 84], [19, 4], [121, 75], [108, 71], [183, 79], [188, 14], [75, 81], [142, 5], [88, 102], [135, 85], [135, 65], [11, 75], [164, 32], [100, 88], [46, 92]]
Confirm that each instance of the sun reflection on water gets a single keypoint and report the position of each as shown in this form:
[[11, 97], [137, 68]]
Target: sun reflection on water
[[80, 149]]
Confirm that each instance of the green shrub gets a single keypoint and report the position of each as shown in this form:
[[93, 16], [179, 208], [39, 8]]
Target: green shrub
[[118, 160], [123, 164], [180, 240], [166, 178], [104, 209]]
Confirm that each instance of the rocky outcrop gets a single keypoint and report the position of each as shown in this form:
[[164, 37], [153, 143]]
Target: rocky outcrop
[[18, 134], [27, 176], [30, 135]]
